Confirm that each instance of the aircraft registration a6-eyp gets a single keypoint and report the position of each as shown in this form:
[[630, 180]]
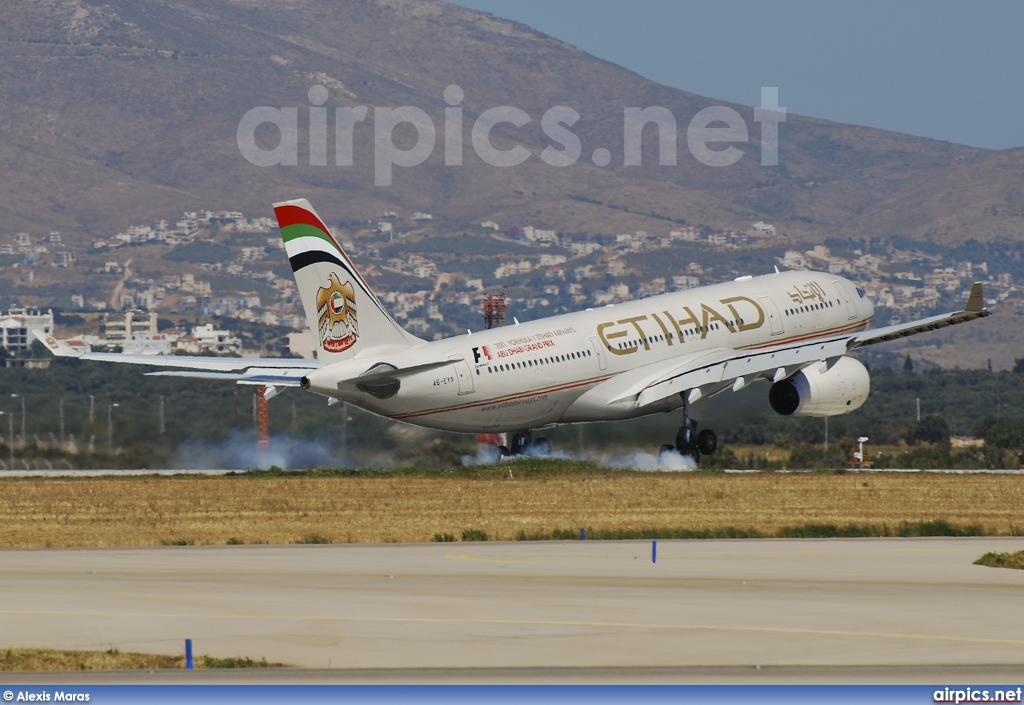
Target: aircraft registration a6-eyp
[[793, 330]]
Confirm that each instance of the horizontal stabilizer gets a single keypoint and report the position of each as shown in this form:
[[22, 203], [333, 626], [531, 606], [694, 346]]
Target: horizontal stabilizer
[[239, 365], [255, 376], [60, 348]]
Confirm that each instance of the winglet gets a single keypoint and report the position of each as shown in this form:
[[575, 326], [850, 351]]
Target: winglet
[[60, 348], [976, 301]]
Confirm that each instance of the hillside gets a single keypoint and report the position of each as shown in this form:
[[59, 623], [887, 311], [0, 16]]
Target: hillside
[[116, 112]]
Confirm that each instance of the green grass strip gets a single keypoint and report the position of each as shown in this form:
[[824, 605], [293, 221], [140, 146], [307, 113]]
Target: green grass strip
[[1002, 560], [905, 529]]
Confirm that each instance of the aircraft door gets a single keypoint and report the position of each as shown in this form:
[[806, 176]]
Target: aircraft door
[[602, 361], [463, 374], [851, 307], [772, 313]]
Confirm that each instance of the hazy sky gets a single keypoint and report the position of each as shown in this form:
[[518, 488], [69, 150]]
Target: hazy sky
[[948, 70]]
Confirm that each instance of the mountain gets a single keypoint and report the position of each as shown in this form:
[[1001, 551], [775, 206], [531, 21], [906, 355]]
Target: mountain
[[115, 112]]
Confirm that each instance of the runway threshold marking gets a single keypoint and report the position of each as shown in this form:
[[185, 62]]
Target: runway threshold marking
[[525, 622]]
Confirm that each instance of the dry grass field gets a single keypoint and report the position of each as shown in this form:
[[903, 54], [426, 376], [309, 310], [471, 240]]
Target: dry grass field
[[143, 511]]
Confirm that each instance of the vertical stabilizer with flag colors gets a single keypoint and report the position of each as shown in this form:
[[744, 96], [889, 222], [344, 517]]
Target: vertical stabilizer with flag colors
[[346, 317]]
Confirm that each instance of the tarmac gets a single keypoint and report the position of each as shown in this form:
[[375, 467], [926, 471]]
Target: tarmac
[[722, 611]]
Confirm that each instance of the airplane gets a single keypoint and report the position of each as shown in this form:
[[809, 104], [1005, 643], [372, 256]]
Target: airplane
[[675, 352]]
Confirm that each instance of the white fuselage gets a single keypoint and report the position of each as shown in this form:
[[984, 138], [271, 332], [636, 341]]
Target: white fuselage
[[566, 368]]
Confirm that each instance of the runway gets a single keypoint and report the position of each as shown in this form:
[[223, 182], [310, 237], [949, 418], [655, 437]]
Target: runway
[[841, 611], [220, 471]]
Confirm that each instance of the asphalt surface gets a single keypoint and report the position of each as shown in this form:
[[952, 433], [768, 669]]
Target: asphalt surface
[[771, 611]]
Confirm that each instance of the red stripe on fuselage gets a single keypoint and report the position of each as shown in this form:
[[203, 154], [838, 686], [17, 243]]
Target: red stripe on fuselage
[[820, 334], [500, 400]]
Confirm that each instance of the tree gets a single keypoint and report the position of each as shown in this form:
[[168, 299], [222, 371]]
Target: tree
[[908, 364], [930, 429], [1018, 366], [1006, 433], [37, 349]]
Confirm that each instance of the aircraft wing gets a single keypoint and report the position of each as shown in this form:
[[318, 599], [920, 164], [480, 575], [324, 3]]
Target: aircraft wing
[[710, 374], [975, 308], [739, 369], [245, 370]]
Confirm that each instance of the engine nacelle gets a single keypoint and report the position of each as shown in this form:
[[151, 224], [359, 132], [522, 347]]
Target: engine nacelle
[[840, 390]]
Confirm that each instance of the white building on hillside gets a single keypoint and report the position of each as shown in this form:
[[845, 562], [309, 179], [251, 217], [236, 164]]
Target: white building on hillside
[[221, 342], [144, 344], [17, 326], [123, 327]]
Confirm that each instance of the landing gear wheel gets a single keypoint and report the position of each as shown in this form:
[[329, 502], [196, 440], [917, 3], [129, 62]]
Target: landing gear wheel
[[685, 439], [504, 452], [541, 446], [666, 448], [690, 451], [707, 441], [520, 442]]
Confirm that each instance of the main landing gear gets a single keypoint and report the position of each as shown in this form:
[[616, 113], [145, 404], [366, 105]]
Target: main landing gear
[[691, 443], [522, 443]]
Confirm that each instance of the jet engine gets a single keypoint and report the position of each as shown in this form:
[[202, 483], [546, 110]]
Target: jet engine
[[842, 388]]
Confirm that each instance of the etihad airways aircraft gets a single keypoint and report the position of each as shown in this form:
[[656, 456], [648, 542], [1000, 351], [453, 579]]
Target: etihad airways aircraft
[[679, 351]]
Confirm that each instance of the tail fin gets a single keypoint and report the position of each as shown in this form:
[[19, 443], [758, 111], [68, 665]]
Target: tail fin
[[344, 315]]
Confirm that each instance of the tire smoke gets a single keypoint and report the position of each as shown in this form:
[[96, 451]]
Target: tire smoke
[[240, 452], [669, 461]]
